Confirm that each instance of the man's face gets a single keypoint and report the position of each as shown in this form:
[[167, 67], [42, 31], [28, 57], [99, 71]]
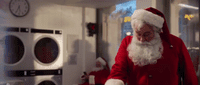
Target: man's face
[[146, 46], [145, 34], [98, 64]]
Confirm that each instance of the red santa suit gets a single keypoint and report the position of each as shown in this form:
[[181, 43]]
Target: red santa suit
[[174, 64], [100, 76]]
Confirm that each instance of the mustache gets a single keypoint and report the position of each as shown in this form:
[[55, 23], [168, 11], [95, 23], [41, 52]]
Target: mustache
[[143, 43]]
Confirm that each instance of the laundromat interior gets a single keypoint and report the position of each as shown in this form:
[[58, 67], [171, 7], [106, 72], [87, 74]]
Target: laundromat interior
[[48, 42]]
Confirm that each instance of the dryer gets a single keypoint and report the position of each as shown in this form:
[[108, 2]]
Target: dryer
[[40, 77], [14, 43], [32, 54], [46, 49], [49, 80], [42, 80], [31, 49]]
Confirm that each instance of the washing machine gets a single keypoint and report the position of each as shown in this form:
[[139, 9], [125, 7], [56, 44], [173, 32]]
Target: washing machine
[[14, 42], [48, 80], [43, 80], [39, 78], [34, 56], [46, 49], [32, 49]]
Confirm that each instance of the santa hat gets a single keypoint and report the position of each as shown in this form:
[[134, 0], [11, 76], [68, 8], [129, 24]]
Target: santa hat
[[102, 61], [153, 17], [148, 17]]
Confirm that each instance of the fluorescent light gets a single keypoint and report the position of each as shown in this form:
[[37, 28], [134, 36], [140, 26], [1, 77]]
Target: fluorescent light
[[128, 33], [188, 6]]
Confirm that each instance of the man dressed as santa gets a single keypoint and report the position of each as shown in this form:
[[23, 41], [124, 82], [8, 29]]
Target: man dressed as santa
[[152, 56], [99, 73]]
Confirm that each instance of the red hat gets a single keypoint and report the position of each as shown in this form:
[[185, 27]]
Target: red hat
[[153, 17], [102, 61]]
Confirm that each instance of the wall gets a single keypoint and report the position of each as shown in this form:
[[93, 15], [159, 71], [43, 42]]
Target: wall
[[141, 4], [54, 14], [110, 35], [174, 18], [158, 4], [75, 25]]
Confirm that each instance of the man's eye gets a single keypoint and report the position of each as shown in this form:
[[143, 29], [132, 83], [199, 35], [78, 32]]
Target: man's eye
[[146, 34], [139, 34]]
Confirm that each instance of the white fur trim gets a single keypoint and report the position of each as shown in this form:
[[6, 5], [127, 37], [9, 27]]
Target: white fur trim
[[114, 82], [101, 60], [148, 17], [91, 79]]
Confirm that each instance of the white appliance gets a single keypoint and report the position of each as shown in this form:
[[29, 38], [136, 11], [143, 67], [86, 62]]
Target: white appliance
[[14, 47], [32, 55], [12, 82], [48, 80], [32, 49], [40, 80], [46, 49]]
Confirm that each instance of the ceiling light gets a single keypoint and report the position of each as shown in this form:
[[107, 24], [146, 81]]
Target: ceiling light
[[128, 33], [188, 6]]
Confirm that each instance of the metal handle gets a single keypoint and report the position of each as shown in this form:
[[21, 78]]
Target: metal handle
[[32, 74], [32, 71], [25, 73]]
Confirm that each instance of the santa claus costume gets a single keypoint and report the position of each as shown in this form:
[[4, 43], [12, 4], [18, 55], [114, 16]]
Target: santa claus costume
[[170, 62], [98, 76]]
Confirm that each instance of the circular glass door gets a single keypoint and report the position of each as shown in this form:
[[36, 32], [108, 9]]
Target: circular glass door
[[13, 49], [46, 50], [47, 82]]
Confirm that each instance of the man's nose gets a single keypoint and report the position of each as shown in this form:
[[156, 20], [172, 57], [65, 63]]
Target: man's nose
[[142, 39]]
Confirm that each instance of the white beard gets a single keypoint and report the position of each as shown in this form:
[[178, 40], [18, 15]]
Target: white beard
[[147, 52], [97, 68]]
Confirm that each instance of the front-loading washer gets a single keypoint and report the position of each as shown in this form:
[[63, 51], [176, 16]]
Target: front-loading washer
[[40, 79], [14, 42], [46, 48], [43, 80]]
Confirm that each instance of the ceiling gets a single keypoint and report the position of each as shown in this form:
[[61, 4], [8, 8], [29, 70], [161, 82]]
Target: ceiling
[[94, 3]]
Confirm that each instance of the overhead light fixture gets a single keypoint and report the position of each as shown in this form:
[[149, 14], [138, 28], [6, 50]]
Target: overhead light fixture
[[188, 6], [128, 33]]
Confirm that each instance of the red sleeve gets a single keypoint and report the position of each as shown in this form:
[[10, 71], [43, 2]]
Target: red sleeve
[[119, 69], [92, 73], [187, 68]]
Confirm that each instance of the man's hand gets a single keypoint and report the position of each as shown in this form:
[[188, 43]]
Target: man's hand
[[85, 78]]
